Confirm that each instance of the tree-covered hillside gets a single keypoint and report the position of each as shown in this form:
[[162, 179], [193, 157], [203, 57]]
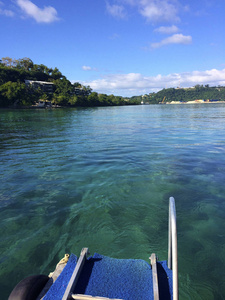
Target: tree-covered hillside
[[183, 94], [14, 91]]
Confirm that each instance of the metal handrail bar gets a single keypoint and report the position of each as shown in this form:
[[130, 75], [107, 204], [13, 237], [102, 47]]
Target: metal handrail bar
[[172, 247], [76, 273], [155, 284]]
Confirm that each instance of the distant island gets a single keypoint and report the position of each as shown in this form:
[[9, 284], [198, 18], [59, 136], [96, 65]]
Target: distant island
[[25, 84], [196, 94]]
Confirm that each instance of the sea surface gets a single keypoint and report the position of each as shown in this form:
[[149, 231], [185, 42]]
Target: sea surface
[[102, 177]]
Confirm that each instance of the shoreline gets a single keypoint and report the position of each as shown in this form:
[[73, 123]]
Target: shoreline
[[196, 102]]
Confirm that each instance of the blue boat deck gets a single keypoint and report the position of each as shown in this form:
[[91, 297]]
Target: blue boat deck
[[102, 276]]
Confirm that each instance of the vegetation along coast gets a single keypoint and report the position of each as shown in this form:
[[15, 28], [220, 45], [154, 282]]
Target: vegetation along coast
[[24, 84]]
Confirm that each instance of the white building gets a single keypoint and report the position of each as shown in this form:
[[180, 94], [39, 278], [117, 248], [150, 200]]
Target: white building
[[46, 87]]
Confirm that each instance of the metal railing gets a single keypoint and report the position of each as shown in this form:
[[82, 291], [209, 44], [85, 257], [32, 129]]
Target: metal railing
[[172, 247]]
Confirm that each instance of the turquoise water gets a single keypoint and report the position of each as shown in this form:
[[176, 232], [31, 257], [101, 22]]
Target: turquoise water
[[101, 178]]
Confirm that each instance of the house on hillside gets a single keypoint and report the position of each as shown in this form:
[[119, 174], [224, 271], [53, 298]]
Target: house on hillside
[[46, 87]]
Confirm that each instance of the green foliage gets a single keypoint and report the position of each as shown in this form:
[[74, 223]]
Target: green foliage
[[73, 100], [24, 63], [92, 99], [14, 93], [44, 97], [63, 86], [55, 74]]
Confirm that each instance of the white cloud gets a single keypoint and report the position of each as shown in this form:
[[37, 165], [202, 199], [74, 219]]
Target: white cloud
[[46, 15], [167, 29], [116, 10], [86, 68], [154, 11], [212, 77], [137, 84], [174, 39], [159, 10]]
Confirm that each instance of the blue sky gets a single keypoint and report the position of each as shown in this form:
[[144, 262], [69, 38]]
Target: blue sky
[[120, 47]]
